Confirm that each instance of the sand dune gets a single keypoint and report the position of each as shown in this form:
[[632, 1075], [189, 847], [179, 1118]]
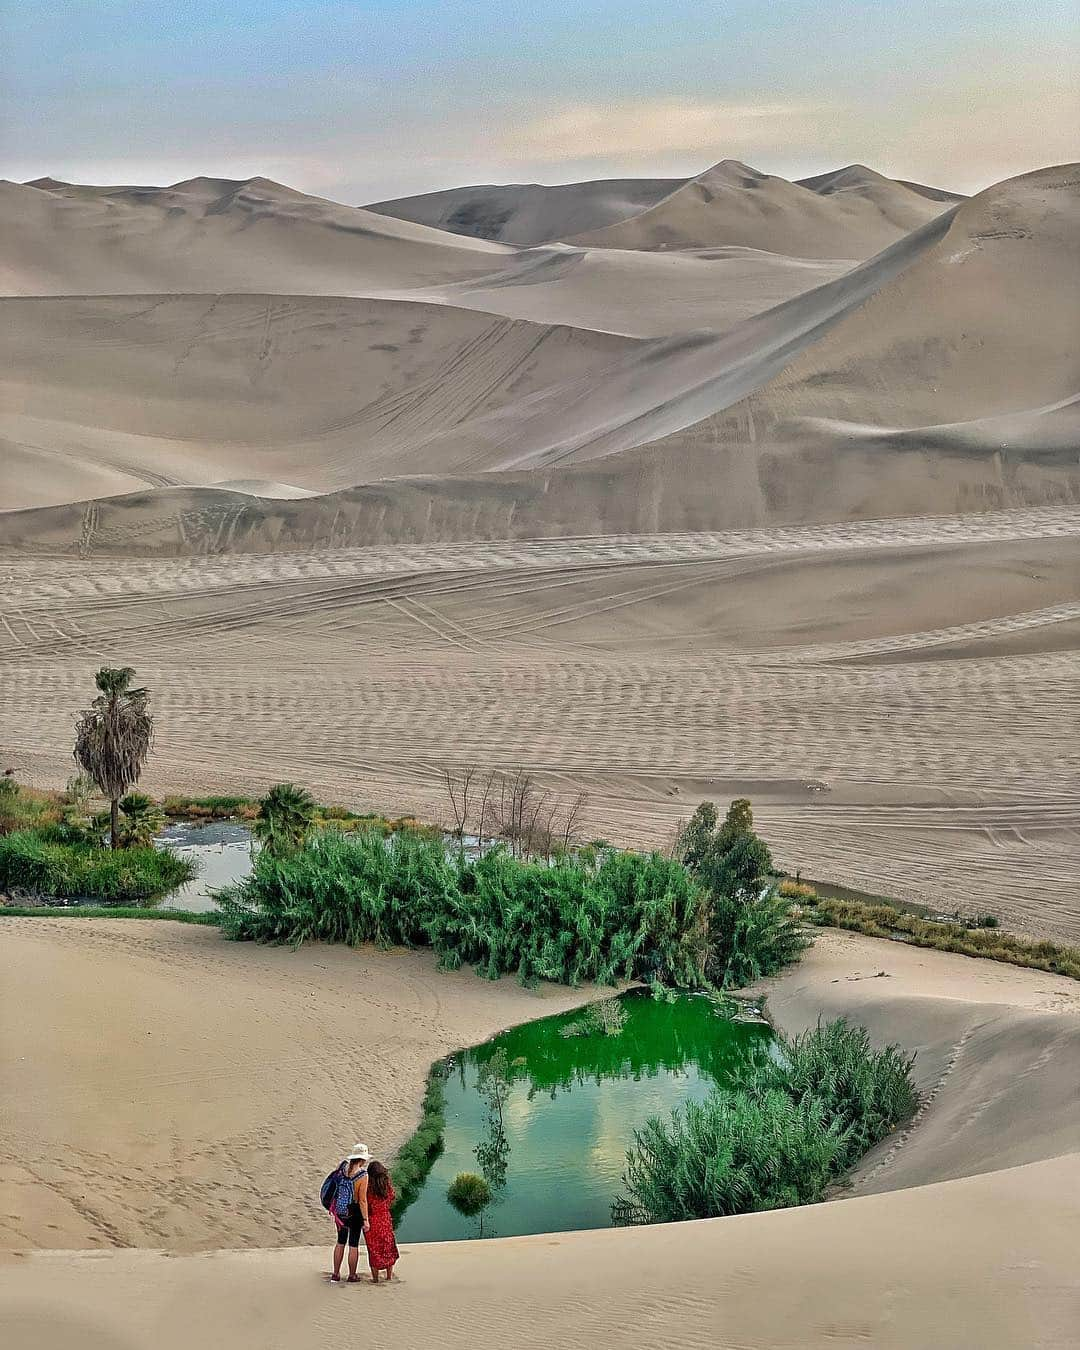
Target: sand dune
[[210, 1055], [981, 327], [813, 410], [851, 213], [528, 213], [109, 394], [210, 236], [869, 210], [214, 235]]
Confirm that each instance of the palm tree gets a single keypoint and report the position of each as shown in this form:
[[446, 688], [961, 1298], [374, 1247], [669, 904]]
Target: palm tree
[[142, 818], [285, 817], [113, 738]]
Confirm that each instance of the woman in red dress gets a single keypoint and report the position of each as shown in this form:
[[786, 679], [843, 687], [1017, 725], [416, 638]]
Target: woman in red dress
[[381, 1248]]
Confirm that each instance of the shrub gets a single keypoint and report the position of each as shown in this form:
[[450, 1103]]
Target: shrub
[[730, 1154], [285, 818], [140, 819], [864, 1090], [23, 808], [630, 916], [751, 936], [778, 1137], [754, 928], [469, 1193], [42, 863], [797, 890]]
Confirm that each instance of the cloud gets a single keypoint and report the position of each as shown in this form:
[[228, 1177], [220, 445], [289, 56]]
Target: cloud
[[632, 130]]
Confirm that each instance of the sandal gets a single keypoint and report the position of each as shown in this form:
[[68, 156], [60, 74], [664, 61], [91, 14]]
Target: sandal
[[353, 1279]]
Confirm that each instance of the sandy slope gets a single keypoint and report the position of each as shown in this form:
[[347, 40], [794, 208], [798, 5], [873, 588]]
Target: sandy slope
[[210, 236], [851, 213], [210, 1059], [924, 669], [108, 394], [529, 213], [729, 203], [813, 410]]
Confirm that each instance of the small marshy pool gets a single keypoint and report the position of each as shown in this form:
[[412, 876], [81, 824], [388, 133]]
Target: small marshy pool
[[222, 851], [572, 1104]]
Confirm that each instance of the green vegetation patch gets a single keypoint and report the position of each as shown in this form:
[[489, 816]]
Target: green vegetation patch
[[625, 916], [780, 1137], [986, 940], [415, 1158], [46, 862]]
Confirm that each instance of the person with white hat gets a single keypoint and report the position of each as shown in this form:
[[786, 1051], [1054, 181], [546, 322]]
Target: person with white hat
[[349, 1209]]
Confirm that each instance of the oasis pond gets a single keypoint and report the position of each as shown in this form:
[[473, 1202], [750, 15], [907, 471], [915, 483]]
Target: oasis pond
[[571, 1110]]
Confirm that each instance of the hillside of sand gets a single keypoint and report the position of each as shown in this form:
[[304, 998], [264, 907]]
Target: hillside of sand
[[940, 376], [529, 213], [859, 211], [137, 1051], [851, 213], [821, 546]]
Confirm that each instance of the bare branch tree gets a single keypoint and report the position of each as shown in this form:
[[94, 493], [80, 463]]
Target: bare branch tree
[[573, 819], [459, 796], [487, 800]]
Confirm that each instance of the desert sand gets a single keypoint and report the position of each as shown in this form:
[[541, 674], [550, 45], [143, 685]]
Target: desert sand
[[661, 490], [158, 1050], [896, 697], [856, 213]]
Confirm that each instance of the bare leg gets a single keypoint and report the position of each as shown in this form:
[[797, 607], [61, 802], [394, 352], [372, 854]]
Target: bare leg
[[374, 1275], [354, 1256], [390, 1272], [339, 1255]]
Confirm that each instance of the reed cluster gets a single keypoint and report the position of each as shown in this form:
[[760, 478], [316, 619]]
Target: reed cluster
[[778, 1137], [623, 916]]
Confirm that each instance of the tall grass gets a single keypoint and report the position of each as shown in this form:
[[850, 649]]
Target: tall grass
[[625, 916], [880, 920], [44, 862], [779, 1137], [731, 1153], [752, 936]]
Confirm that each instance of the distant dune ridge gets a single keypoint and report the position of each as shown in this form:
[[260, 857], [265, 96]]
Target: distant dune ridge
[[730, 203], [941, 374]]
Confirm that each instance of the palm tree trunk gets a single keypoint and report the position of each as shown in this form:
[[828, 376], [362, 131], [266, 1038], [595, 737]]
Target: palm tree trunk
[[114, 823]]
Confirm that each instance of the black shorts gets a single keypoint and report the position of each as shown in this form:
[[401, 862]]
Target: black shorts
[[351, 1230]]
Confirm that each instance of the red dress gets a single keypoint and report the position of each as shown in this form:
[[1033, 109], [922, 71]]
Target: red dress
[[381, 1248]]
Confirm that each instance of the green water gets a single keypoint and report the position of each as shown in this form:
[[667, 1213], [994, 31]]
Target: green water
[[573, 1106]]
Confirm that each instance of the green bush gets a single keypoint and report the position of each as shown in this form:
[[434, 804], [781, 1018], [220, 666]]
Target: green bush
[[732, 1153], [751, 936], [778, 1137], [468, 1193], [629, 916], [754, 928], [866, 1092], [45, 863]]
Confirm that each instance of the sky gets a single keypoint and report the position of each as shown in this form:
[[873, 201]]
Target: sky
[[362, 100]]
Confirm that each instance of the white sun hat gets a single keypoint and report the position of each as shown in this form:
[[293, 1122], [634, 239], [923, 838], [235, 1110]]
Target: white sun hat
[[360, 1153]]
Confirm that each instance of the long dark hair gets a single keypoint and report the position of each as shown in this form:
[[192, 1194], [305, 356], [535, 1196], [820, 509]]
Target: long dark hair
[[378, 1179]]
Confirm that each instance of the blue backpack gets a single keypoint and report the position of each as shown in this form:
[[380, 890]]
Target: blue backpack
[[336, 1192]]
